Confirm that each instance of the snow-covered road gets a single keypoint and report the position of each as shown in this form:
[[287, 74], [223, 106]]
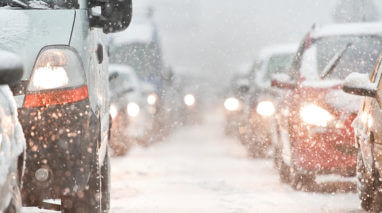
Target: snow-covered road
[[198, 169]]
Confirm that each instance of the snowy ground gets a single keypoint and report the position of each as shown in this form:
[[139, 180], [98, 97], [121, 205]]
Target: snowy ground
[[198, 169]]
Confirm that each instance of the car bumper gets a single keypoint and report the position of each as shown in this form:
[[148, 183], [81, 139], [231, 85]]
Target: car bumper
[[326, 151], [62, 139]]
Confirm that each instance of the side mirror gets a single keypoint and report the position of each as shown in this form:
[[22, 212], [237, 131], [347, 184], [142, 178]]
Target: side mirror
[[282, 81], [115, 15], [11, 68], [359, 84]]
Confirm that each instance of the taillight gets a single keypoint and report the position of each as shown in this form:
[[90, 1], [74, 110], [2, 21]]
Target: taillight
[[56, 97], [58, 77]]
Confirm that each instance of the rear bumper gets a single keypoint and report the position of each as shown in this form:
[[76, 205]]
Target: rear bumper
[[326, 151], [63, 139]]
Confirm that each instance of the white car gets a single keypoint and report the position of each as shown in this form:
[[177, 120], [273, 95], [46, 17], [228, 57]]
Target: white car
[[274, 60], [62, 98], [130, 119], [12, 141]]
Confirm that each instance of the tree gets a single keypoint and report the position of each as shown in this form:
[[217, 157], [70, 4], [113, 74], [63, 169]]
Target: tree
[[355, 11]]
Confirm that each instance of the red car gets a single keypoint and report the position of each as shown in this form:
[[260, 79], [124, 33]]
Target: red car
[[314, 122]]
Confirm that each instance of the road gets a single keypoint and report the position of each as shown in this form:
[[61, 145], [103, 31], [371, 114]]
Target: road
[[198, 169]]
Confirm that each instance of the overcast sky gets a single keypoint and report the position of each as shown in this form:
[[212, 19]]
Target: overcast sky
[[213, 38]]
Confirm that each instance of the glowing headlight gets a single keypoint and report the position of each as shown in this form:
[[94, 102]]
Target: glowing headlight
[[133, 109], [265, 108], [152, 99], [189, 100], [315, 115], [232, 104], [113, 111]]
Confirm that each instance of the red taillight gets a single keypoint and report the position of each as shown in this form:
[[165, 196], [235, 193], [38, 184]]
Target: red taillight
[[56, 97]]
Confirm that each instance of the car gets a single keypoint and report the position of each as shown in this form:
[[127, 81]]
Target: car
[[236, 104], [62, 97], [260, 128], [140, 48], [315, 136], [131, 119], [12, 148], [367, 135]]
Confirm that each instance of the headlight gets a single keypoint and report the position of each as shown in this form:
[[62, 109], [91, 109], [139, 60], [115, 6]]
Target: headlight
[[133, 109], [56, 68], [189, 100], [315, 115], [113, 111], [265, 108], [152, 99], [232, 104]]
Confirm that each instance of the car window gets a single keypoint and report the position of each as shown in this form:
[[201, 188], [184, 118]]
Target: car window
[[361, 56], [278, 64]]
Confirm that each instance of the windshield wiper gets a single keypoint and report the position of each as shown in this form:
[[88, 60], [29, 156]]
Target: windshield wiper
[[18, 3], [334, 62]]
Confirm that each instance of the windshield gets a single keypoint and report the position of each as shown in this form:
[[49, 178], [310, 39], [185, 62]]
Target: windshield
[[40, 4], [279, 64], [361, 55]]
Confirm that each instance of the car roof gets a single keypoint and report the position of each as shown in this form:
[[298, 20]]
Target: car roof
[[277, 50], [370, 28]]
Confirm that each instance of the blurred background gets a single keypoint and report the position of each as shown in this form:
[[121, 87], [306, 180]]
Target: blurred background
[[210, 40]]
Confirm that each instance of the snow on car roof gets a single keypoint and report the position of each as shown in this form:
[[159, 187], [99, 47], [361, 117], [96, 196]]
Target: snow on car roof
[[371, 28], [277, 50]]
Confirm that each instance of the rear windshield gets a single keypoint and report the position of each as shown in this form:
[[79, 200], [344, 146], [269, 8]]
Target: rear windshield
[[279, 64], [360, 57]]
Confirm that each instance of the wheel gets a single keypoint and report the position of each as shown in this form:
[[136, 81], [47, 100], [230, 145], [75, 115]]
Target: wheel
[[365, 185], [88, 200], [15, 204], [284, 172], [105, 183], [300, 180]]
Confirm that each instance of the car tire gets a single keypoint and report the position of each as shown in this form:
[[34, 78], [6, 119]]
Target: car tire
[[15, 204], [284, 172], [365, 185], [301, 180], [88, 200]]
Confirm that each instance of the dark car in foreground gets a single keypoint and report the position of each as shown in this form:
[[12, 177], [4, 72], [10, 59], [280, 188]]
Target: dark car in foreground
[[62, 98]]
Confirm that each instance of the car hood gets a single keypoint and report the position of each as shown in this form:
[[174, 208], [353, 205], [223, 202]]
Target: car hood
[[342, 101], [333, 95], [26, 32]]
